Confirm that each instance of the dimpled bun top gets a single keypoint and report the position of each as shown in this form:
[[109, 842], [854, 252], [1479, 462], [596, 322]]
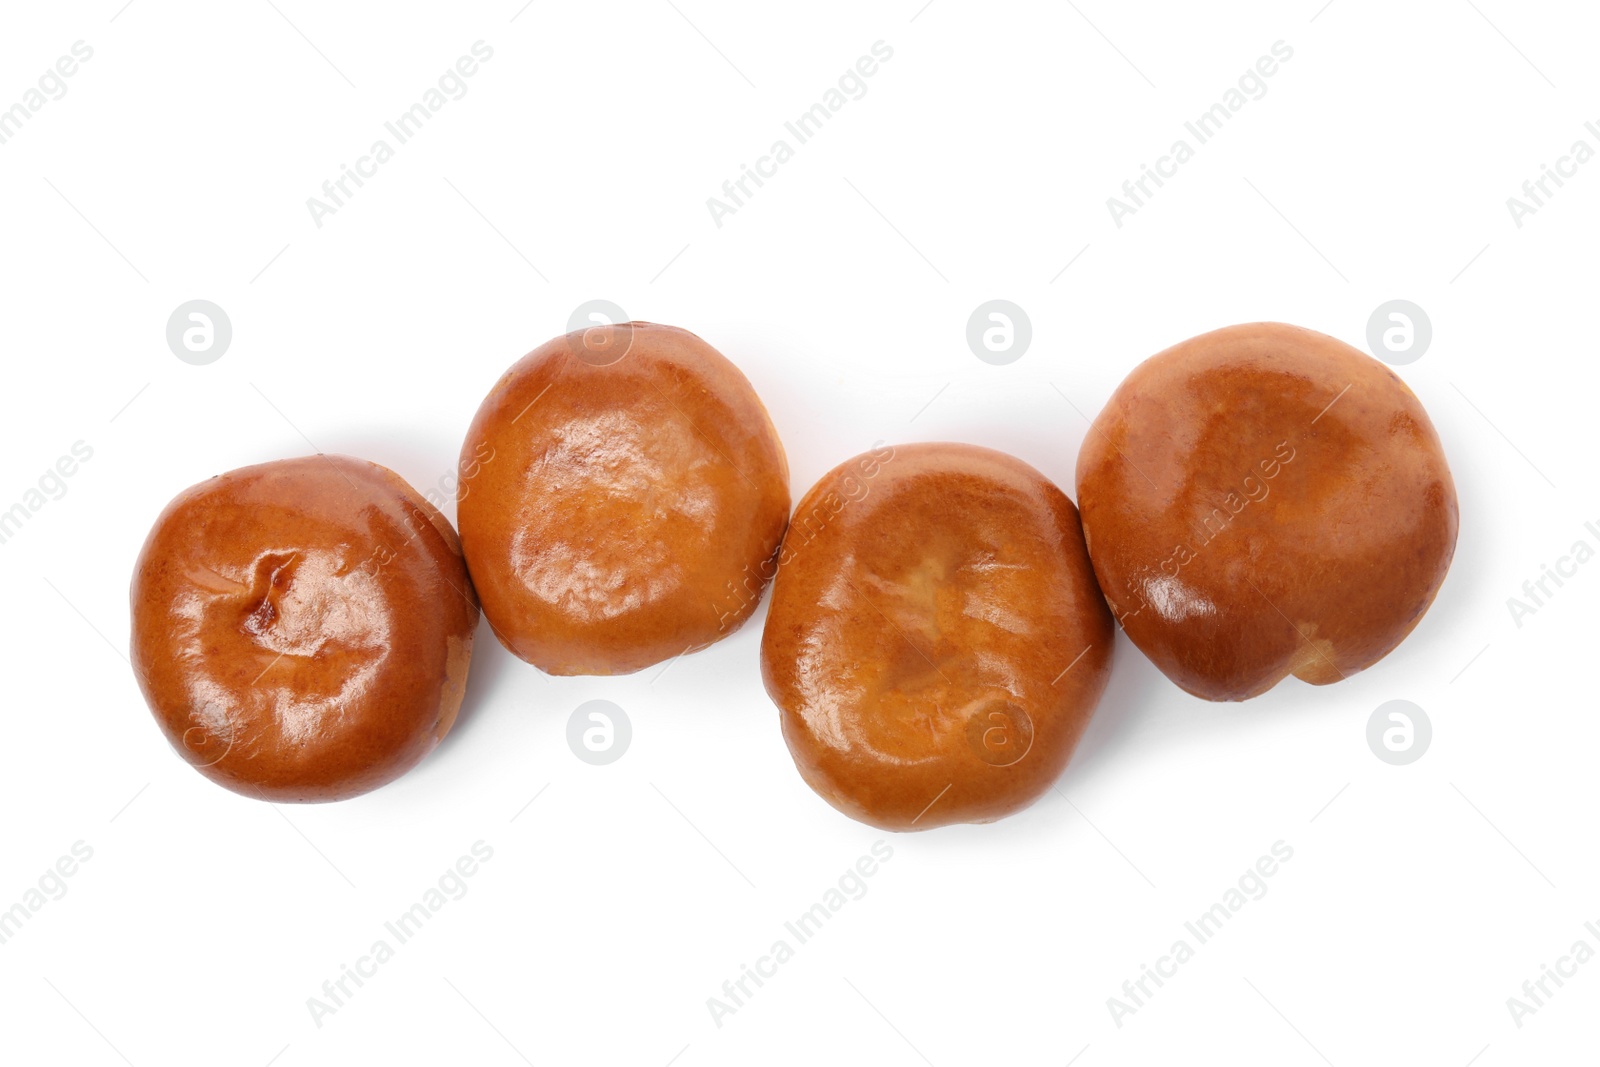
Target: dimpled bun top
[[936, 643], [302, 629], [1263, 501], [623, 492]]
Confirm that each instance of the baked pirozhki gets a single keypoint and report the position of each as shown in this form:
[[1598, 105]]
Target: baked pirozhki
[[936, 643], [627, 495], [302, 629], [1265, 501]]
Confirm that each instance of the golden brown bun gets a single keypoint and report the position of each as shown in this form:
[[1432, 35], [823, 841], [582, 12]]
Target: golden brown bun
[[936, 643], [617, 510], [1263, 501], [302, 629]]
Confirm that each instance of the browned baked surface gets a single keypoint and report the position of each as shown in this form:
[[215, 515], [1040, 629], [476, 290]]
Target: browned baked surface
[[936, 643], [1263, 501], [302, 629], [617, 515]]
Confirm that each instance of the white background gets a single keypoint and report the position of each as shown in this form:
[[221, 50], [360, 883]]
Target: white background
[[977, 166]]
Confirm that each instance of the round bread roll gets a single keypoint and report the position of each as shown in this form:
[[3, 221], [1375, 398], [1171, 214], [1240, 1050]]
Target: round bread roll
[[1263, 501], [302, 629], [936, 643], [623, 495]]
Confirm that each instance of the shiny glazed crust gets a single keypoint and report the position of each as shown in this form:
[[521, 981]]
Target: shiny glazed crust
[[618, 514], [1263, 501], [302, 629], [936, 643]]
